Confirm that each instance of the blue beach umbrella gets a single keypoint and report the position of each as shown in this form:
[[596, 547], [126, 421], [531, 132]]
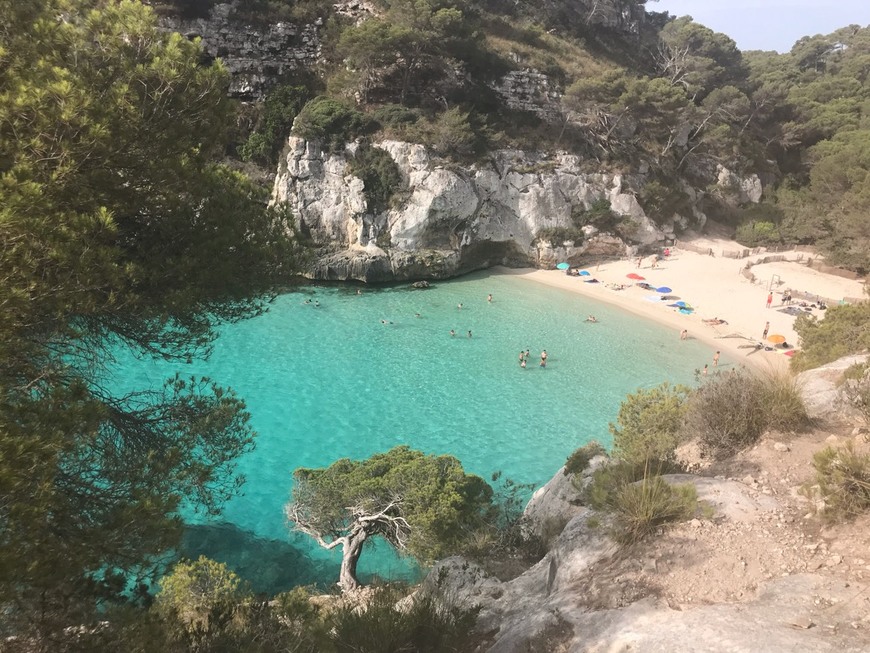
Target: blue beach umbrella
[[562, 266], [585, 273], [682, 304], [664, 290], [686, 311]]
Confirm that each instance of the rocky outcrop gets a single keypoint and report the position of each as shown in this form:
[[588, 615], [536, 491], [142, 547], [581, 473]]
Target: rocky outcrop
[[821, 389], [580, 596], [256, 56], [454, 219], [532, 91]]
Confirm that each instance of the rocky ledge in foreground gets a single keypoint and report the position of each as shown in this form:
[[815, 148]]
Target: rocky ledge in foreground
[[741, 582]]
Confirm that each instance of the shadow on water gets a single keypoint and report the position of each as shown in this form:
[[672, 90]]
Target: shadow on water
[[270, 566]]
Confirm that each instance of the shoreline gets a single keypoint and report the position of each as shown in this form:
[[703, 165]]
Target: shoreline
[[714, 287]]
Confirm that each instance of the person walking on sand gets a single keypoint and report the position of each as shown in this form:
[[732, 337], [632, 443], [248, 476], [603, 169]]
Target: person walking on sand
[[769, 299], [716, 359], [766, 329], [639, 261]]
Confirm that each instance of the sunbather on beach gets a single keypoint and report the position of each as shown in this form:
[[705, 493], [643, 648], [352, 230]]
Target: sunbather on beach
[[714, 321]]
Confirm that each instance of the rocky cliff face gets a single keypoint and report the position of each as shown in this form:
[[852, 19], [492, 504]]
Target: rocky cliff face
[[453, 219], [256, 56]]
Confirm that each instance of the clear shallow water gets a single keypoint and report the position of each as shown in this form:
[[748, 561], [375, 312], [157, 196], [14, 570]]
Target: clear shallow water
[[327, 382]]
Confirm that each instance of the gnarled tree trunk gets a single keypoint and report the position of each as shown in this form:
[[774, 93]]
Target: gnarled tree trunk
[[351, 550]]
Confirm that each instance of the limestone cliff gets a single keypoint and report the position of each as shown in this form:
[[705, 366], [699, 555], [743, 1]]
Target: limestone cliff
[[454, 219]]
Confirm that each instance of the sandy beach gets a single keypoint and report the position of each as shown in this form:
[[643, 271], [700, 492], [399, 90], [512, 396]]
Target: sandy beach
[[715, 288]]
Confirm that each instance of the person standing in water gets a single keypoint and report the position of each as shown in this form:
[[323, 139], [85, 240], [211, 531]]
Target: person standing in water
[[716, 359], [544, 358], [452, 332], [469, 334], [489, 298]]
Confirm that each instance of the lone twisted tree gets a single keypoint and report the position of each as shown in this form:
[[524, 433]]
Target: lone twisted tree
[[421, 504]]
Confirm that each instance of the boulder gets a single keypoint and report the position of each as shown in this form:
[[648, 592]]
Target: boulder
[[821, 391]]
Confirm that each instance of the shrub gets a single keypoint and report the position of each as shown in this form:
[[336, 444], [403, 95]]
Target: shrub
[[758, 233], [558, 235], [783, 402], [845, 330], [380, 175], [330, 121], [429, 622], [727, 414], [578, 461], [648, 426], [856, 388], [599, 493], [843, 477], [198, 599], [642, 507], [280, 108]]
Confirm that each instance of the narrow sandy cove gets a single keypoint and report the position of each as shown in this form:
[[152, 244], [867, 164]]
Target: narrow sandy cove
[[714, 287]]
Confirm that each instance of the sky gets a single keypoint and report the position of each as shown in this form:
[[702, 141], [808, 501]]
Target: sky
[[769, 24]]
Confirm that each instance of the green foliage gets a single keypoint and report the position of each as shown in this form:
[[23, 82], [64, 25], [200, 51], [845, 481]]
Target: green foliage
[[845, 330], [661, 201], [199, 597], [454, 136], [783, 402], [558, 235], [855, 386], [843, 477], [331, 122], [117, 229], [641, 508], [280, 108], [638, 498], [406, 55], [578, 461], [727, 413], [429, 623], [380, 175], [755, 234], [648, 426], [439, 501]]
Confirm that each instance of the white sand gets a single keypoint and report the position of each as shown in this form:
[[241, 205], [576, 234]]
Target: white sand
[[714, 287]]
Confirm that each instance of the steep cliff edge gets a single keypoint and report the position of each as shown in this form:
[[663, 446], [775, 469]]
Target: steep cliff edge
[[455, 219]]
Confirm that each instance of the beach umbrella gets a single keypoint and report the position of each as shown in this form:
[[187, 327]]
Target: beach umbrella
[[682, 304], [776, 338], [664, 290], [585, 273], [635, 276], [562, 266], [687, 311]]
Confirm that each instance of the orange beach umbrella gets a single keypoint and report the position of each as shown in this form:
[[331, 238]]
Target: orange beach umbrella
[[776, 338]]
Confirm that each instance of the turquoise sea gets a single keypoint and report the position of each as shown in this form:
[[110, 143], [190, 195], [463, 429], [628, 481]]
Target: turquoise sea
[[331, 381]]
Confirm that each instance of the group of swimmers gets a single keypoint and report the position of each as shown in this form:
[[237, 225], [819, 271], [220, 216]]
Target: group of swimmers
[[524, 357]]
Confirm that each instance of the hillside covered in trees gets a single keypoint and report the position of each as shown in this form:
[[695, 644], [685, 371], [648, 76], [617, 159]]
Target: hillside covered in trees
[[117, 200], [613, 81]]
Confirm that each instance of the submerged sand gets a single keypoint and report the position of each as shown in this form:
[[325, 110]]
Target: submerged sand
[[715, 288]]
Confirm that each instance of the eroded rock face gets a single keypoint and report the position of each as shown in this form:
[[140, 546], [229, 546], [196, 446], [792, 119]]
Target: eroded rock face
[[821, 388], [453, 219], [256, 56], [577, 599]]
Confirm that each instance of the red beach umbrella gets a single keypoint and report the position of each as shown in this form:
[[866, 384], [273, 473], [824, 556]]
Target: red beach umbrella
[[635, 276]]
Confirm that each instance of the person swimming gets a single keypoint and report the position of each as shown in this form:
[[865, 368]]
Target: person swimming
[[469, 334], [591, 318], [452, 332]]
